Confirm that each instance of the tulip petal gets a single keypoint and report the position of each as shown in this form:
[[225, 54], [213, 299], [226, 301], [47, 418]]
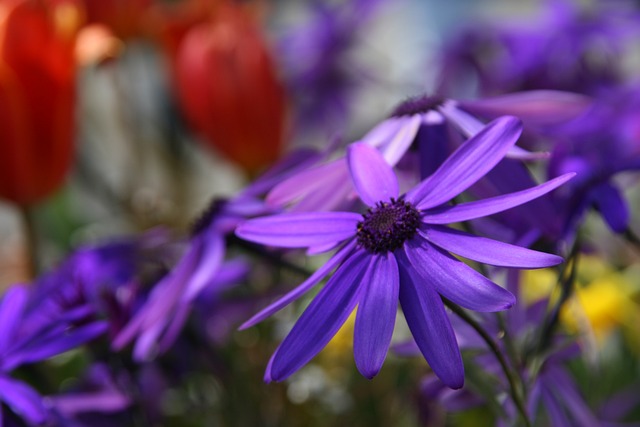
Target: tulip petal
[[372, 176], [300, 229], [455, 280], [467, 164], [322, 319], [376, 315], [487, 251]]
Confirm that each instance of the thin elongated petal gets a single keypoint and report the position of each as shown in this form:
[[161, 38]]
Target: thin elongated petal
[[612, 206], [372, 176], [322, 319], [492, 205], [536, 107], [296, 293], [487, 251], [455, 280], [23, 400], [395, 147], [304, 182], [430, 326], [468, 163], [376, 315], [210, 252], [13, 304], [300, 229]]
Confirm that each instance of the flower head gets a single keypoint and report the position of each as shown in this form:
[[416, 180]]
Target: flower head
[[399, 251]]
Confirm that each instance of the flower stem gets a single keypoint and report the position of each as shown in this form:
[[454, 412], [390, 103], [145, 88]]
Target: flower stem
[[515, 384], [31, 239]]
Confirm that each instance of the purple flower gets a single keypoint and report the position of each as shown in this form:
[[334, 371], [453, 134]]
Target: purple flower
[[399, 251], [435, 126]]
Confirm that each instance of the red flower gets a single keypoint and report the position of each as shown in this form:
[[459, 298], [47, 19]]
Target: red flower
[[228, 88], [37, 80]]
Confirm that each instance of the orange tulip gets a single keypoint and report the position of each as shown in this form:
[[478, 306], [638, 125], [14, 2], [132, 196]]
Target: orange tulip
[[228, 89], [37, 82]]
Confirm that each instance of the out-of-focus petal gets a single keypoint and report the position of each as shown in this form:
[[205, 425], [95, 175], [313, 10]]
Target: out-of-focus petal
[[455, 280], [13, 305], [490, 206], [302, 288], [536, 107], [612, 206], [487, 251], [300, 229], [468, 163], [376, 314], [430, 326], [396, 147], [23, 400], [372, 176], [322, 319], [211, 250]]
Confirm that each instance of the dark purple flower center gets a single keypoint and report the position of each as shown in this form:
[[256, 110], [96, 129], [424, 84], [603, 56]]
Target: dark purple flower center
[[417, 105], [387, 226]]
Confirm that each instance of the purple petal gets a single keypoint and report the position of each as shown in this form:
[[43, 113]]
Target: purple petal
[[466, 123], [300, 229], [23, 400], [455, 280], [430, 326], [490, 206], [537, 107], [393, 149], [487, 251], [302, 288], [11, 310], [372, 176], [322, 319], [211, 250], [518, 153], [376, 315], [556, 415], [468, 163], [612, 206], [305, 182]]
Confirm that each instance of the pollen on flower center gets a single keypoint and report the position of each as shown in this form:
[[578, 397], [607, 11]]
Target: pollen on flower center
[[387, 226], [417, 105]]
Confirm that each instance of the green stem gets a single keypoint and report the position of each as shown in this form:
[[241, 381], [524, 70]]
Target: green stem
[[515, 384]]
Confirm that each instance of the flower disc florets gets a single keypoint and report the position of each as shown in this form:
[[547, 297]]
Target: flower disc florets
[[417, 105], [387, 226]]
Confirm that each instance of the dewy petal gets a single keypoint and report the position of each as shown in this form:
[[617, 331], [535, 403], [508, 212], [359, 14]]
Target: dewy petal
[[376, 314], [302, 288], [23, 400], [455, 280], [430, 325], [372, 176], [468, 163], [536, 107], [487, 251], [300, 229], [490, 206], [322, 319]]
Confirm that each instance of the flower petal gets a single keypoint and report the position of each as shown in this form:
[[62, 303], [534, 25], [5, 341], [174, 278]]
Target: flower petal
[[467, 164], [492, 205], [23, 400], [487, 251], [536, 107], [455, 280], [322, 319], [430, 325], [372, 176], [612, 206], [396, 147], [376, 315], [302, 288], [11, 310], [210, 252], [300, 229]]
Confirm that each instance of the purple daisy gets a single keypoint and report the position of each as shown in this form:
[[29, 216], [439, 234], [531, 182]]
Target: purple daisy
[[399, 251]]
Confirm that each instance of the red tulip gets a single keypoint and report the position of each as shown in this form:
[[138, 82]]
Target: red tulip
[[125, 18], [37, 82], [228, 88]]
